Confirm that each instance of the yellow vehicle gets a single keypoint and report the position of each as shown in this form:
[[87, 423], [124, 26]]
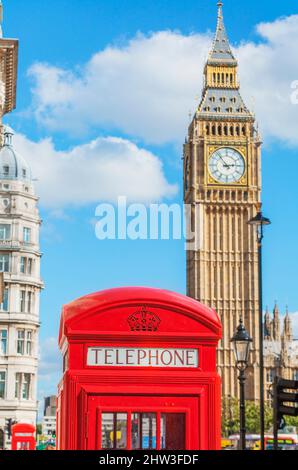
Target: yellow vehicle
[[226, 443]]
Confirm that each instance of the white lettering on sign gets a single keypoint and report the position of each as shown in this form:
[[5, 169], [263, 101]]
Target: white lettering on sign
[[142, 357]]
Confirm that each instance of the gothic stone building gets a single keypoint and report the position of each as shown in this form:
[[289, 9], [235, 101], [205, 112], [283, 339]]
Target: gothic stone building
[[222, 184], [280, 349]]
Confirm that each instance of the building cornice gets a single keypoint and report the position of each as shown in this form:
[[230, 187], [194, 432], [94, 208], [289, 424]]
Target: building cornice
[[9, 66]]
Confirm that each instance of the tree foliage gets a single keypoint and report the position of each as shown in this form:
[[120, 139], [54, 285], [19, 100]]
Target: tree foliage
[[231, 418], [39, 429]]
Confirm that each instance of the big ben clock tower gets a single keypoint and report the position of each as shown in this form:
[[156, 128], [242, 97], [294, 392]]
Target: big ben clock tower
[[222, 183]]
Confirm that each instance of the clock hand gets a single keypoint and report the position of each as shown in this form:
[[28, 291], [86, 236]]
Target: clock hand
[[226, 165]]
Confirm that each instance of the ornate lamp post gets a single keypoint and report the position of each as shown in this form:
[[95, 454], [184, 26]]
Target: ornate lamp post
[[241, 342], [259, 221]]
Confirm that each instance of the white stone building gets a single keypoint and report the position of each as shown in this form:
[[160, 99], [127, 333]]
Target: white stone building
[[19, 311], [20, 265]]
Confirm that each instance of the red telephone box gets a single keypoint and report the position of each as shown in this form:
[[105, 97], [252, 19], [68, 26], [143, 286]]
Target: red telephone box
[[23, 437], [139, 372]]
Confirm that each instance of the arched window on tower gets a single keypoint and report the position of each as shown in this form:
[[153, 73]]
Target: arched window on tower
[[187, 171]]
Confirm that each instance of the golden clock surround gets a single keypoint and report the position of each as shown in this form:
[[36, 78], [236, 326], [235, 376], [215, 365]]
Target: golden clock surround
[[242, 182]]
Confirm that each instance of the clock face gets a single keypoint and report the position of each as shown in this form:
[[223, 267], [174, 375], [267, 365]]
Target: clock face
[[226, 165]]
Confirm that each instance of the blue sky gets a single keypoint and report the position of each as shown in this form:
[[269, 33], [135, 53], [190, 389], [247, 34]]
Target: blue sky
[[56, 86]]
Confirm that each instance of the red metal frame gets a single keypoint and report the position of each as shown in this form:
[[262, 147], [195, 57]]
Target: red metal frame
[[101, 320]]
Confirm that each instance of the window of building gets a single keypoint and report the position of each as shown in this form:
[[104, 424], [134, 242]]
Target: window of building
[[186, 174], [26, 386], [4, 305], [26, 301], [29, 265], [26, 235], [26, 265], [6, 186], [23, 301], [30, 301], [3, 342], [4, 263], [270, 376], [25, 342], [23, 386], [6, 170], [29, 342], [295, 375], [22, 265], [4, 232], [24, 173], [21, 342], [18, 385], [2, 384]]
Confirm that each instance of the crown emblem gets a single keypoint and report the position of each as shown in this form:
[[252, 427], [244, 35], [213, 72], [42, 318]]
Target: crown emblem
[[142, 320]]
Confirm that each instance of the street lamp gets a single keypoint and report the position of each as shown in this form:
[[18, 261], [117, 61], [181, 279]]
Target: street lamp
[[241, 343], [259, 221]]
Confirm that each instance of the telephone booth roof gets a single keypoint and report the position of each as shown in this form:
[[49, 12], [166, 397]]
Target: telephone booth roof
[[93, 304], [23, 427]]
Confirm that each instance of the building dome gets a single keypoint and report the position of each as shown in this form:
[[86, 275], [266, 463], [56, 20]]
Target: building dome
[[12, 164]]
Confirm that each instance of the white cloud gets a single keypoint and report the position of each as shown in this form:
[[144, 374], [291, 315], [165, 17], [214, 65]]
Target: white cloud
[[102, 169], [267, 72], [294, 318], [50, 361], [147, 87]]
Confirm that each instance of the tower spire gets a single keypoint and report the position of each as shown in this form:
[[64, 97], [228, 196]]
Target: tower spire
[[288, 332], [221, 51]]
